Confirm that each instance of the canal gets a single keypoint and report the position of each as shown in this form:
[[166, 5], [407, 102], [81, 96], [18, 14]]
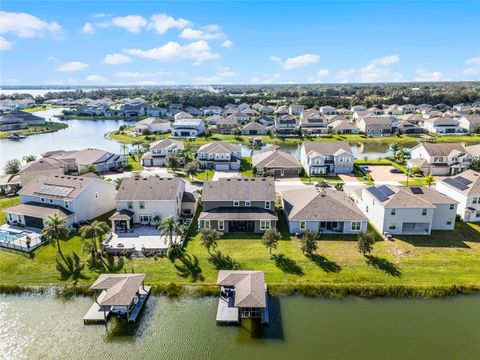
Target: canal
[[43, 327]]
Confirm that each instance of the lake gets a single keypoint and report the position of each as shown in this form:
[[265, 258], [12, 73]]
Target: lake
[[43, 327]]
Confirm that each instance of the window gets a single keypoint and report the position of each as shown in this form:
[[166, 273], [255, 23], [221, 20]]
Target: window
[[424, 212], [392, 212], [67, 204], [267, 204], [392, 226], [356, 226], [43, 200], [206, 224], [452, 206], [51, 201], [96, 195], [221, 225], [141, 204], [10, 217], [248, 203], [236, 203], [366, 209], [303, 225], [144, 218], [130, 205], [475, 200], [264, 225], [449, 222]]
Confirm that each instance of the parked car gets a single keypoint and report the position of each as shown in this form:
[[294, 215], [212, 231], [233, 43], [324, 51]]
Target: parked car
[[366, 168], [118, 170], [396, 171]]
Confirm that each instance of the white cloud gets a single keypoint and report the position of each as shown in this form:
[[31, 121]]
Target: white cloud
[[96, 79], [161, 23], [117, 59], [323, 72], [226, 43], [266, 79], [473, 61], [88, 28], [52, 59], [427, 75], [471, 71], [226, 72], [297, 61], [172, 51], [378, 70], [209, 32], [131, 23], [5, 44], [27, 26], [346, 73], [99, 15], [139, 75], [72, 66], [208, 80], [386, 60]]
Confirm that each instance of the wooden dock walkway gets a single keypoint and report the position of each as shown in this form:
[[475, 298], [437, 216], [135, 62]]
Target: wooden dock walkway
[[94, 315], [144, 294]]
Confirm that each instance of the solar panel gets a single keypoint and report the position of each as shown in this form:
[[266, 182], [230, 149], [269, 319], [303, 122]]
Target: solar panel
[[416, 190], [377, 193], [456, 184], [56, 190], [386, 190], [462, 180]]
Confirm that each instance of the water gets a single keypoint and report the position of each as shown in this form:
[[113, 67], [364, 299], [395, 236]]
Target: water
[[80, 134], [39, 326], [9, 236]]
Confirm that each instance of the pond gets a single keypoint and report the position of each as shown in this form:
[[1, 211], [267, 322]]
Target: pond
[[43, 327]]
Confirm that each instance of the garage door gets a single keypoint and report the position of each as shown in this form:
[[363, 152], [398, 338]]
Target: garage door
[[34, 222], [222, 167]]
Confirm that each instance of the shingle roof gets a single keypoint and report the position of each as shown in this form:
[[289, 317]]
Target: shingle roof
[[149, 188], [254, 126], [441, 149], [249, 287], [121, 288], [219, 147], [39, 210], [326, 147], [43, 164], [473, 188], [399, 198], [274, 159], [57, 186], [228, 189], [164, 143]]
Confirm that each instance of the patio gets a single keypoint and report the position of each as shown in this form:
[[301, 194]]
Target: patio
[[140, 237]]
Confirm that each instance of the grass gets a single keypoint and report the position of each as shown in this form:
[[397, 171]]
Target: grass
[[414, 182], [205, 175], [136, 166], [246, 167], [41, 108], [5, 202], [37, 129]]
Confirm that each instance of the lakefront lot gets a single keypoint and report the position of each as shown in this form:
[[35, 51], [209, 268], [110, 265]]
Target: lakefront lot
[[445, 258]]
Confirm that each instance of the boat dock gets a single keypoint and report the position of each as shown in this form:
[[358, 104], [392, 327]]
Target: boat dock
[[95, 315], [227, 313], [144, 294]]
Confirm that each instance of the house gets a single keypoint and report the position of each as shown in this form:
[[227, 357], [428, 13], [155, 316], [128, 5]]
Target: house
[[393, 110], [375, 125], [188, 128], [266, 110], [17, 120], [146, 201], [465, 189], [343, 111], [211, 110], [322, 211], [220, 155], [358, 108], [405, 127], [77, 160], [182, 115], [295, 109], [357, 115], [244, 205], [461, 107], [212, 120], [249, 112], [42, 167], [193, 111], [342, 127], [440, 158], [239, 117], [159, 152], [275, 163], [375, 111], [285, 125], [326, 157], [74, 198], [470, 123], [406, 210], [443, 126], [311, 122], [156, 112], [407, 108], [133, 110], [153, 124], [474, 151], [254, 128], [226, 125], [282, 110], [327, 110], [266, 121]]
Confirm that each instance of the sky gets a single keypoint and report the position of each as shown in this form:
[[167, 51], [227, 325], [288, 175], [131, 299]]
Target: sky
[[237, 42]]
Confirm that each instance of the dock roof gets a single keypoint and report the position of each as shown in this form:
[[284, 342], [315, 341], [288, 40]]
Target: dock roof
[[249, 287], [121, 289]]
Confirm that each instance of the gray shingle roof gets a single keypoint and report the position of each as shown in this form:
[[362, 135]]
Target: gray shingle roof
[[228, 189], [249, 287], [441, 149], [326, 147], [57, 186], [164, 143], [219, 147], [274, 159], [149, 188]]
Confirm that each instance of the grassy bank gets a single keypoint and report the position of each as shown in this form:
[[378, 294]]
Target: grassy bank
[[37, 129]]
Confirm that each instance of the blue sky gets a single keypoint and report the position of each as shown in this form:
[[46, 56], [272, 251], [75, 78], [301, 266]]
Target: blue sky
[[237, 42]]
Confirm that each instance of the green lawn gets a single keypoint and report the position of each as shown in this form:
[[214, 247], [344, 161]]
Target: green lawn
[[205, 175], [136, 166], [5, 202], [37, 129], [414, 182]]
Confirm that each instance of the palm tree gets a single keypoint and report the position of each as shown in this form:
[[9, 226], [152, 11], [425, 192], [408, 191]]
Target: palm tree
[[167, 227], [29, 158], [124, 148], [90, 168], [395, 147], [429, 180], [309, 242], [54, 230], [156, 219], [209, 238], [94, 231]]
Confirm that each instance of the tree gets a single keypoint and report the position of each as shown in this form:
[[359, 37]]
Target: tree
[[209, 238], [90, 168], [93, 232], [475, 165], [54, 230], [191, 168], [124, 148], [29, 158], [365, 242], [395, 147], [173, 161], [157, 219], [429, 180], [117, 182], [270, 239], [309, 242], [236, 132], [167, 227], [12, 167]]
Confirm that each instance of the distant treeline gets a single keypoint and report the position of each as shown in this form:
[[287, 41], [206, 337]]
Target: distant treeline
[[337, 95]]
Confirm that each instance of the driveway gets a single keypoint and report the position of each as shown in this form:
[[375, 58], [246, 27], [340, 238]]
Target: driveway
[[224, 174], [381, 174], [284, 185]]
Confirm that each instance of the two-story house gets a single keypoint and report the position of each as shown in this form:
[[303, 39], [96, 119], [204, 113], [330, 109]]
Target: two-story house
[[295, 109], [443, 126], [75, 198], [470, 122], [226, 125], [375, 125], [406, 210], [147, 201], [188, 128], [160, 150], [239, 205], [286, 125], [319, 158], [327, 110], [220, 155], [465, 189], [312, 123], [440, 158]]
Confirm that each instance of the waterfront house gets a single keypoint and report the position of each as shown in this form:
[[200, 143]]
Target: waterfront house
[[295, 109], [326, 157], [440, 158], [160, 150], [211, 110], [322, 211], [375, 125], [465, 189], [406, 210], [75, 198], [243, 294], [17, 120], [327, 110], [470, 123], [219, 155], [443, 126], [182, 115], [152, 124], [311, 122], [188, 128], [275, 163], [42, 167], [226, 125], [254, 128], [407, 128], [244, 205], [286, 125], [342, 127], [145, 200]]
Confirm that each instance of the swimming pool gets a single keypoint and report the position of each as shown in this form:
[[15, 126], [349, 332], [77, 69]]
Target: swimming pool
[[9, 236]]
